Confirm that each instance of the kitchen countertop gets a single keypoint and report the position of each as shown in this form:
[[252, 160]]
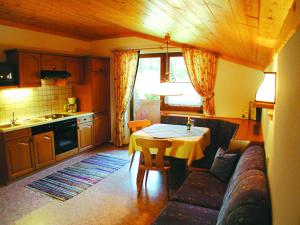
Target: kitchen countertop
[[39, 121]]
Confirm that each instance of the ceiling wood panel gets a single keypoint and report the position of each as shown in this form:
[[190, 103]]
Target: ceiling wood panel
[[245, 31]]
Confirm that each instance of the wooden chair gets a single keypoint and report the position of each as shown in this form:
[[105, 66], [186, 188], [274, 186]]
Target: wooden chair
[[150, 161], [134, 126]]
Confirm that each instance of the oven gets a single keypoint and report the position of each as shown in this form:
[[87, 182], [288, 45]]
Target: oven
[[65, 135]]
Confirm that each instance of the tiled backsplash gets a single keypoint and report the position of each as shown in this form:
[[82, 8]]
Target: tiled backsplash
[[33, 102]]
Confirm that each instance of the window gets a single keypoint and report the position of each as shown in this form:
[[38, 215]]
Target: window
[[145, 105], [152, 69], [190, 99]]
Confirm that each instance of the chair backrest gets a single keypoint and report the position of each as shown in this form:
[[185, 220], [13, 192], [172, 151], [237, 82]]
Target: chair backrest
[[136, 125], [160, 144]]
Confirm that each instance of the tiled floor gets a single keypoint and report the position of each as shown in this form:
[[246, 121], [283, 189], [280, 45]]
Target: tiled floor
[[111, 201]]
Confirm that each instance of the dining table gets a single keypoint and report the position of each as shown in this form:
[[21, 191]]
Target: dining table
[[188, 144]]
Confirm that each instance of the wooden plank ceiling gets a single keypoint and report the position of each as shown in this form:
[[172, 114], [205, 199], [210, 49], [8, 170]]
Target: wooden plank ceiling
[[245, 31]]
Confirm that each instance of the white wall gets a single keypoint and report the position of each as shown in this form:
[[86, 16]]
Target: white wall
[[235, 87], [25, 39], [282, 144]]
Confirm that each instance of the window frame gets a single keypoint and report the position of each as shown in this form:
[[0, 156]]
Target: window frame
[[165, 67]]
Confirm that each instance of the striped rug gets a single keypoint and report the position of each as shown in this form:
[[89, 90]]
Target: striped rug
[[71, 181]]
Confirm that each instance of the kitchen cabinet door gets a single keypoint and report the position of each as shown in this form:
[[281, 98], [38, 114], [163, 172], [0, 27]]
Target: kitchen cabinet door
[[19, 157], [101, 131], [29, 69], [75, 68], [85, 136], [53, 62], [43, 148], [100, 88], [99, 97]]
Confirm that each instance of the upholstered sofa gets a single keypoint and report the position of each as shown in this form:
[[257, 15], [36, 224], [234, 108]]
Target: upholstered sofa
[[204, 199], [221, 133]]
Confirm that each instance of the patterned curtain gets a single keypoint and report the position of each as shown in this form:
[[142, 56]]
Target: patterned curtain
[[125, 69], [201, 67]]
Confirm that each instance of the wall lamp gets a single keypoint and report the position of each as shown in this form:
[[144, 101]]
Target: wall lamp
[[266, 93]]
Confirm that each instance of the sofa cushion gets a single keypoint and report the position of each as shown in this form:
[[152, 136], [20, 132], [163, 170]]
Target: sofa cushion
[[203, 189], [252, 158], [178, 213], [208, 159], [225, 133], [241, 177], [247, 203], [223, 165]]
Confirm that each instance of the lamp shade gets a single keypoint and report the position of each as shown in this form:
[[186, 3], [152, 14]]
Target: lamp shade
[[267, 89], [165, 89]]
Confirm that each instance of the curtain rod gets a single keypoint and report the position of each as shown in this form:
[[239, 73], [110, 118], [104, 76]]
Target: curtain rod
[[146, 48]]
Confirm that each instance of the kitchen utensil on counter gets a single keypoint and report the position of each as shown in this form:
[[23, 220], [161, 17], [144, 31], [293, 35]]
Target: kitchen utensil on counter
[[72, 105]]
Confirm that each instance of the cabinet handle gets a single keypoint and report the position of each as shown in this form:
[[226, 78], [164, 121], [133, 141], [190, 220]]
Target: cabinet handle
[[47, 138], [24, 143]]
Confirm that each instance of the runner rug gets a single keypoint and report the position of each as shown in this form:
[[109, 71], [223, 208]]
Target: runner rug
[[73, 180]]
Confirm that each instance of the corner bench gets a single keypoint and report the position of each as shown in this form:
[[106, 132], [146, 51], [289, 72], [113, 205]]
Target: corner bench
[[221, 132], [205, 200]]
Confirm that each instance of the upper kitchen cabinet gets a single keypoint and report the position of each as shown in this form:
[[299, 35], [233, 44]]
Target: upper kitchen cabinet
[[29, 67], [94, 92], [53, 62], [75, 68]]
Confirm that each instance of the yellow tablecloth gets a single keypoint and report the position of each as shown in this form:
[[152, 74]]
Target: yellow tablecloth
[[189, 148]]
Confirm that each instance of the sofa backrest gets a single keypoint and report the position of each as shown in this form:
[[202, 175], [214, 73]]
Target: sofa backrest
[[253, 158], [173, 120], [213, 126], [225, 133], [220, 131], [246, 200]]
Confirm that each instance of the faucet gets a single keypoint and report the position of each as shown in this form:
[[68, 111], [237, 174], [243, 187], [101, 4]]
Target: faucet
[[13, 120]]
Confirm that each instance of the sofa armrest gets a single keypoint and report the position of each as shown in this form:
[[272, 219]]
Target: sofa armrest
[[238, 146]]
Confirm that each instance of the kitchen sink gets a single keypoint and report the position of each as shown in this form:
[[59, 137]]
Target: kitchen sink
[[35, 120], [54, 116]]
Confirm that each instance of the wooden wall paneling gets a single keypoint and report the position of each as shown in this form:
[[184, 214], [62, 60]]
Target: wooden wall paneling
[[227, 27], [290, 26]]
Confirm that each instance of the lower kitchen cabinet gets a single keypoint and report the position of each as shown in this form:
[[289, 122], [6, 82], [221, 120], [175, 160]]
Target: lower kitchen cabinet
[[85, 136], [101, 129], [19, 157], [44, 149]]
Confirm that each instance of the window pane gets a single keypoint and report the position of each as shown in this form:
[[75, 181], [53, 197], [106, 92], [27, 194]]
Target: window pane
[[178, 72], [147, 106], [180, 77], [189, 97]]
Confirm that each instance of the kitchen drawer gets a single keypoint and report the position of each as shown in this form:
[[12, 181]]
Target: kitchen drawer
[[9, 136], [84, 119]]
